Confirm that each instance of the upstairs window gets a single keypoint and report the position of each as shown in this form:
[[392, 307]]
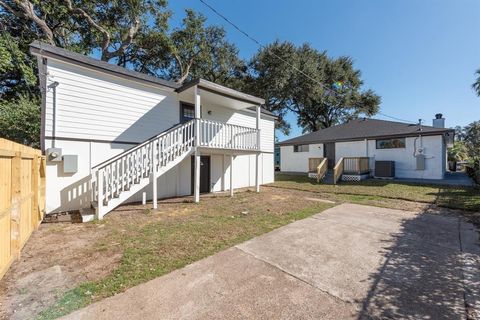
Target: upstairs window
[[187, 112], [391, 143], [301, 148]]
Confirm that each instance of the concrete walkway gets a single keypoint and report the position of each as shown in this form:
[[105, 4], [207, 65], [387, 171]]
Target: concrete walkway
[[349, 262], [459, 179]]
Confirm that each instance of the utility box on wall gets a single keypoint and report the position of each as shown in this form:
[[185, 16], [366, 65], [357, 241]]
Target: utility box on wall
[[54, 154], [420, 162], [70, 163]]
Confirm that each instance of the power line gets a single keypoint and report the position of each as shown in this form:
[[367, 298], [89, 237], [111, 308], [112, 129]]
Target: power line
[[263, 46], [395, 118], [280, 58]]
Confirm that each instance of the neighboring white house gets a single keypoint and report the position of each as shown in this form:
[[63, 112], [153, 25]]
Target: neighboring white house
[[418, 151], [108, 132]]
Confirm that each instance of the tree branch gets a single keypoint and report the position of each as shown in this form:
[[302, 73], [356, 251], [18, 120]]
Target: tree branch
[[27, 11], [105, 34], [132, 31]]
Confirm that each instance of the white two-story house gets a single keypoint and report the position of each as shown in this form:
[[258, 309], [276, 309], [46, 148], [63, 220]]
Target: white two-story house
[[112, 135]]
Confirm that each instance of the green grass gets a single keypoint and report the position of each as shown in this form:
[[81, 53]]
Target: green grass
[[464, 198], [161, 247]]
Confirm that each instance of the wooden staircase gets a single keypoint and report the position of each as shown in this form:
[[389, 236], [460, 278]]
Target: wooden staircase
[[119, 178]]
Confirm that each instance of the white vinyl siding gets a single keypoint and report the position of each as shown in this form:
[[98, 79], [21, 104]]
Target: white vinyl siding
[[350, 149], [405, 162], [98, 109], [291, 161], [98, 106]]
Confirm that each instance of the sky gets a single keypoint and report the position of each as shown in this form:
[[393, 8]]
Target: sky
[[420, 56]]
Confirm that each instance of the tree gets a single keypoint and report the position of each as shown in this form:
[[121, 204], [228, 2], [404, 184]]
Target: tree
[[14, 117], [458, 152], [320, 90], [110, 26], [270, 77], [476, 84], [194, 50], [78, 25], [472, 140], [16, 69]]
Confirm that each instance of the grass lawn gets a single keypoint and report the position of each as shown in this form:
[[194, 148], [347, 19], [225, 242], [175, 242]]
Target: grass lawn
[[154, 243], [463, 198]]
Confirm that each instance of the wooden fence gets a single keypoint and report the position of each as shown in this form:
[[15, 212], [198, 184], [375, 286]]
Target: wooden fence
[[22, 198]]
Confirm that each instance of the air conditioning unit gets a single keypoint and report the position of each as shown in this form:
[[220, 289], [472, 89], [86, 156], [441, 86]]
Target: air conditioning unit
[[384, 169]]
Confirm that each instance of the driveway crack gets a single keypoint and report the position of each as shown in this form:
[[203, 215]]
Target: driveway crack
[[296, 277]]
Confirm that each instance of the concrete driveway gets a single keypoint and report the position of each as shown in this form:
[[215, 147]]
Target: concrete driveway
[[350, 261]]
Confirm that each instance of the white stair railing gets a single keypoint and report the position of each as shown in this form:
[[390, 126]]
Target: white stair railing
[[120, 177], [113, 179]]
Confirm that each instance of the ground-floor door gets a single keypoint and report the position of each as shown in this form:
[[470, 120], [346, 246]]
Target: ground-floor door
[[204, 174], [329, 153]]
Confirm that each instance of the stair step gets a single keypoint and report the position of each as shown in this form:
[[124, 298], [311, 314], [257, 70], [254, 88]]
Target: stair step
[[87, 214]]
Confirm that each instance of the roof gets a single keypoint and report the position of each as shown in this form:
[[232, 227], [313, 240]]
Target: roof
[[44, 49], [228, 92], [360, 129], [213, 87], [47, 50]]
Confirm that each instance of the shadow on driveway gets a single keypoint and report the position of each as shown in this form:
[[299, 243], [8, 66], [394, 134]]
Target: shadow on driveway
[[423, 275]]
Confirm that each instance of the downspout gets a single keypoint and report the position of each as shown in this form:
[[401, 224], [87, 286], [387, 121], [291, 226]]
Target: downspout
[[53, 86], [42, 77]]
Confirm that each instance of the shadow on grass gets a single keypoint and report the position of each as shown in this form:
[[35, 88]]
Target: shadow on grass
[[465, 198], [422, 276]]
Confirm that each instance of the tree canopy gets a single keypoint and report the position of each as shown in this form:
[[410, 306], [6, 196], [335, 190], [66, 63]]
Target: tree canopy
[[471, 138], [321, 91]]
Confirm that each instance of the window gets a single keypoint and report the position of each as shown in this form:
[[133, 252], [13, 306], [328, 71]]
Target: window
[[301, 148], [391, 143], [187, 112]]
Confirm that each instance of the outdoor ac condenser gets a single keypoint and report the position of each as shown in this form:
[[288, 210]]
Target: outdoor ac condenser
[[385, 169]]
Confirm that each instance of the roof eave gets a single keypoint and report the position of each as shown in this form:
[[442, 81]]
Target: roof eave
[[45, 50], [216, 88], [413, 134]]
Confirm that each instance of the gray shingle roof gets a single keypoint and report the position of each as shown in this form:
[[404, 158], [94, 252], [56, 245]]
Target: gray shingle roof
[[364, 128]]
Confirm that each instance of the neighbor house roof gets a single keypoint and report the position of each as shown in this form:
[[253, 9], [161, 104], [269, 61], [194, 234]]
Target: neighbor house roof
[[47, 50], [360, 129]]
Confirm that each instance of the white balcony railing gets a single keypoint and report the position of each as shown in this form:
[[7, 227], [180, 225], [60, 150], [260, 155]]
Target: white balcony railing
[[221, 135]]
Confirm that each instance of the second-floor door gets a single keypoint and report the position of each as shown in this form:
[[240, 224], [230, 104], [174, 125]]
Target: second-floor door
[[187, 112]]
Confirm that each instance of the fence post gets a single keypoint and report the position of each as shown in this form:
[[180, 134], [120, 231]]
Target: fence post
[[16, 205]]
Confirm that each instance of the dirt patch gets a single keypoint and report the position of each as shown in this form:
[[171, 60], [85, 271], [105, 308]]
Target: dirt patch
[[56, 258]]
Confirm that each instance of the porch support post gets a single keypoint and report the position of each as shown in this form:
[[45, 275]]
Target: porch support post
[[257, 155], [154, 176], [231, 175], [197, 116], [196, 186]]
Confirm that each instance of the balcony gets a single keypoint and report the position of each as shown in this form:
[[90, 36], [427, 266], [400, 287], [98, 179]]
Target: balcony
[[220, 135]]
